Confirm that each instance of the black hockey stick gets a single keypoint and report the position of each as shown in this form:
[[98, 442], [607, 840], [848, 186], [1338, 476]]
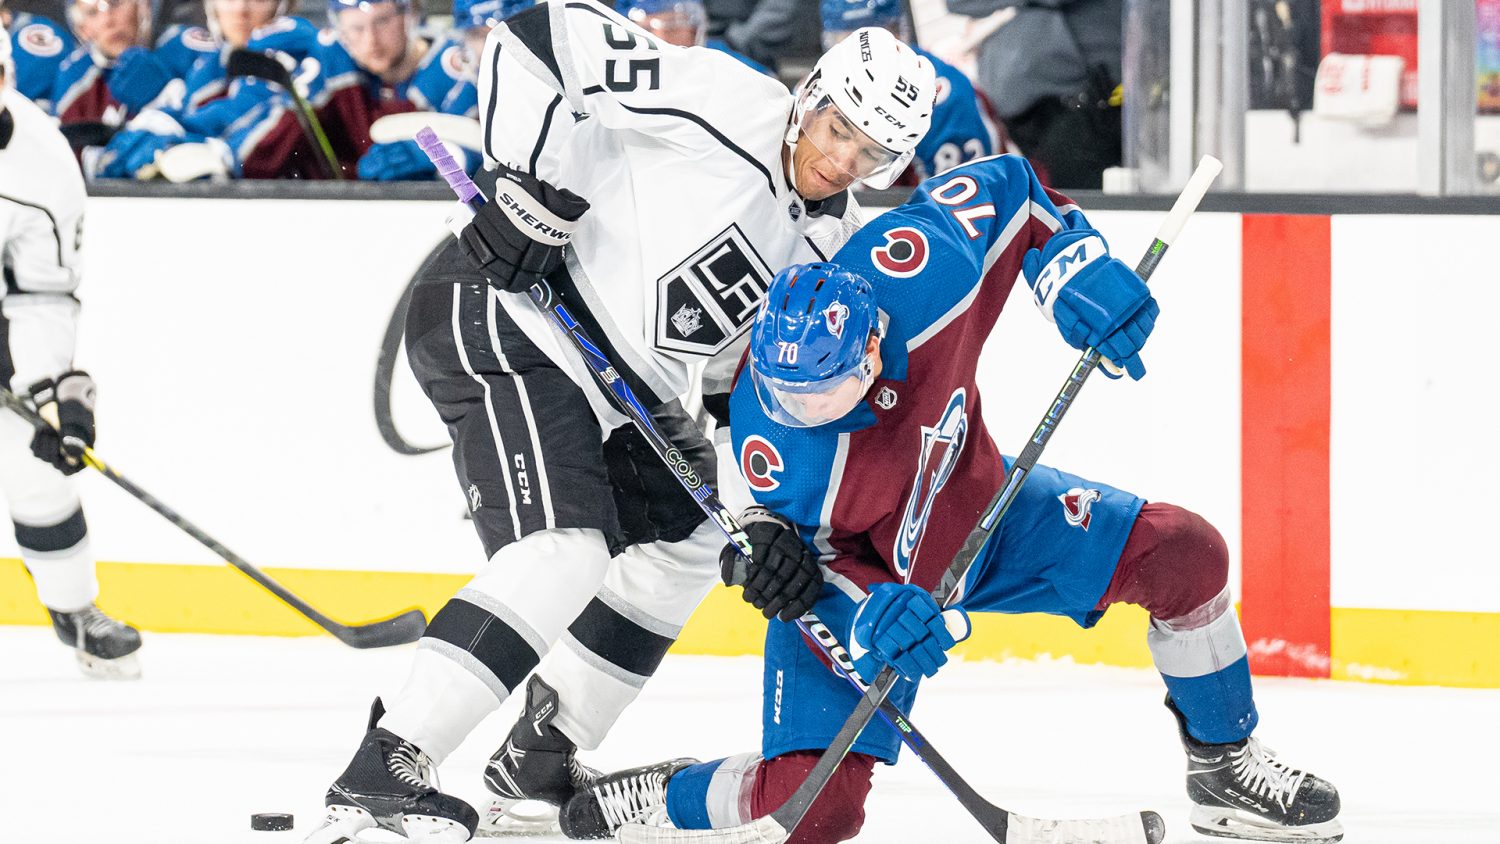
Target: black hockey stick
[[396, 630], [1127, 828], [244, 61]]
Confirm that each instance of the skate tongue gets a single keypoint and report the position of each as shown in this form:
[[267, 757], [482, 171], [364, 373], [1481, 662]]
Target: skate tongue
[[377, 711]]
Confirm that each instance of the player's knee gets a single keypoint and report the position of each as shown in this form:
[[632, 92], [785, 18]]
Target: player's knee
[[1173, 563], [839, 811]]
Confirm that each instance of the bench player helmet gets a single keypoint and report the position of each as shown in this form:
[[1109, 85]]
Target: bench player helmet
[[680, 22], [878, 87], [840, 17], [809, 356], [475, 14]]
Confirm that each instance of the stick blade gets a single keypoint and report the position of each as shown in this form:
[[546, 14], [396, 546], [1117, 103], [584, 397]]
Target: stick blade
[[1135, 828], [402, 629]]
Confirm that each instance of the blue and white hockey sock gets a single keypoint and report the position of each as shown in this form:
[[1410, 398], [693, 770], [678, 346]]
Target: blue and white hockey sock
[[713, 795], [1203, 659]]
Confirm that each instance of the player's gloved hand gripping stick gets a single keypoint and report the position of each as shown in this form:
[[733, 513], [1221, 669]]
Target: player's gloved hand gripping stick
[[396, 630], [1002, 825]]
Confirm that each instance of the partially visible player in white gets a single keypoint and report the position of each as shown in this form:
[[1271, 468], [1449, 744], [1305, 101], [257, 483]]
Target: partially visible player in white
[[41, 227]]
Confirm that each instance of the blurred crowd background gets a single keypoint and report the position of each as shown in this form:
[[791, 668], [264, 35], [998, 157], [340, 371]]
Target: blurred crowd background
[[181, 90]]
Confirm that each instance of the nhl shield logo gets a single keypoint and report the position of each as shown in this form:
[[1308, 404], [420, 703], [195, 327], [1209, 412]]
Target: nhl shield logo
[[885, 399], [1077, 506], [836, 315]]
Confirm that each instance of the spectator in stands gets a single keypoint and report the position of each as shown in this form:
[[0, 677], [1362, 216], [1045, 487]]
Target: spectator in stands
[[38, 48], [681, 22], [768, 31], [963, 127], [377, 65], [1053, 74], [112, 75], [184, 114]]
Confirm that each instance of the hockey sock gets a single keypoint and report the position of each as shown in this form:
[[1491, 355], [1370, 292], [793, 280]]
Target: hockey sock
[[1203, 659], [713, 795], [58, 557], [481, 646]]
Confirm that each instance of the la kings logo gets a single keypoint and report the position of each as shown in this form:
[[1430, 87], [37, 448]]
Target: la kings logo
[[710, 298]]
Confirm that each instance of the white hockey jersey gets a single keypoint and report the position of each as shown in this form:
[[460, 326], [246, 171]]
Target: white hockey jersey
[[41, 224], [678, 150]]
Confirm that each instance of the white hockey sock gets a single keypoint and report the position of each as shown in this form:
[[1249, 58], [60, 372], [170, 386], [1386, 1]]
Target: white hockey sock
[[530, 590], [648, 594]]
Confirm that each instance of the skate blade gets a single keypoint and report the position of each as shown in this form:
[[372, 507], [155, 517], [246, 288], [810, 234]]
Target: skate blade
[[506, 818], [341, 825], [126, 667], [427, 829], [1232, 823]]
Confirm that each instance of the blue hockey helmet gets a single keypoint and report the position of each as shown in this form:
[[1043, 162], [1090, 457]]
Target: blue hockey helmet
[[472, 14], [336, 6], [809, 360], [680, 22], [841, 17]]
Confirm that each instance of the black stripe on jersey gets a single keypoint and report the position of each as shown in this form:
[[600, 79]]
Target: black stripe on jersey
[[489, 117], [618, 640], [7, 365], [533, 27], [541, 138], [494, 643], [718, 136], [56, 235], [59, 537], [587, 8], [564, 285], [815, 249]]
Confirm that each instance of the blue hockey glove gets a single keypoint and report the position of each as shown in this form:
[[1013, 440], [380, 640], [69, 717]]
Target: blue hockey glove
[[900, 625], [137, 78], [130, 150], [395, 161], [1094, 299]]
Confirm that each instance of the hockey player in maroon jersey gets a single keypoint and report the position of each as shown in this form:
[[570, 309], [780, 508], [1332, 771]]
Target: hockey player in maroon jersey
[[857, 420]]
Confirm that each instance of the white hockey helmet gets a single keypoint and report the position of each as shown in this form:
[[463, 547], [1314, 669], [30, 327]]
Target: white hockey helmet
[[878, 86]]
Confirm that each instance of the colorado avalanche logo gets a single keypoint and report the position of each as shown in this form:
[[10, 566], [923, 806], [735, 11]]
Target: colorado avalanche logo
[[941, 446], [759, 463], [836, 315], [904, 253], [39, 40], [1077, 504]]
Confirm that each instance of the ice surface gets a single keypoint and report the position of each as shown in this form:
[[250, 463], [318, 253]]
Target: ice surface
[[222, 727]]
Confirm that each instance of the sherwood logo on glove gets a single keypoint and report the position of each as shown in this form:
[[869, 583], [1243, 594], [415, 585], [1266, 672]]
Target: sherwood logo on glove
[[540, 224]]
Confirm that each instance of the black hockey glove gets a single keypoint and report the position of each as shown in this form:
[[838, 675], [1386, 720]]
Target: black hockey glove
[[517, 238], [67, 405], [781, 578]]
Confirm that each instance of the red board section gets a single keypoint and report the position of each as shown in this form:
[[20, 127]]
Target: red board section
[[1284, 451]]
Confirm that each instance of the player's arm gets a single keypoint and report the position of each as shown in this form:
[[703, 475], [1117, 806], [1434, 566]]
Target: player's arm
[[42, 326]]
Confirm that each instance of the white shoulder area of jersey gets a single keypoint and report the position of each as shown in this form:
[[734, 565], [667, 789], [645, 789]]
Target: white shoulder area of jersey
[[40, 40], [38, 165], [281, 24]]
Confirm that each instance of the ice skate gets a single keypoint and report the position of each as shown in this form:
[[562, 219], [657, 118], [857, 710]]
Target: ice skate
[[534, 772], [390, 784], [106, 648], [634, 795], [1241, 790]]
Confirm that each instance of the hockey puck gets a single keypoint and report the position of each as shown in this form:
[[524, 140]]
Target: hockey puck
[[271, 821]]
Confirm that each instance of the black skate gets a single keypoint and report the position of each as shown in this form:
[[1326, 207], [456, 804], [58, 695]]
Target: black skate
[[1241, 790], [534, 772], [389, 784], [634, 795], [105, 647]]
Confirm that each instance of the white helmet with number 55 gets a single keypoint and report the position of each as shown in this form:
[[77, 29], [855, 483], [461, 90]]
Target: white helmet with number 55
[[866, 105]]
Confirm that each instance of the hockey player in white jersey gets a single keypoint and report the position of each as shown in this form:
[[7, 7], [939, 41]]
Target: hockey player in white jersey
[[657, 189], [41, 224]]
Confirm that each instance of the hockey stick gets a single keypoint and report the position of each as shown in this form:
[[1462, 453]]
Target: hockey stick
[[781, 823], [1016, 828], [243, 61], [396, 630]]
